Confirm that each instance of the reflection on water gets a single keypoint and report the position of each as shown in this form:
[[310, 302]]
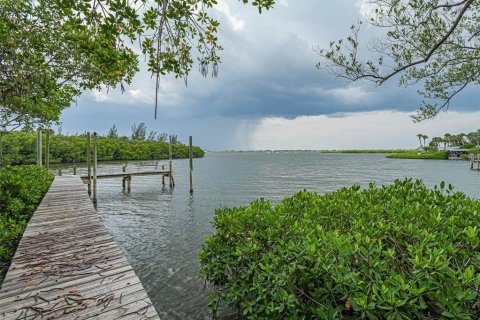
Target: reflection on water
[[162, 230]]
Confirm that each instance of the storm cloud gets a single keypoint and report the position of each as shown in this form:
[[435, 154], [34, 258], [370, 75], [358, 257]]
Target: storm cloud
[[267, 71]]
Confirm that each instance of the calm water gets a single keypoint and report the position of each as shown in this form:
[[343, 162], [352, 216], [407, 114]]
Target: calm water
[[161, 231]]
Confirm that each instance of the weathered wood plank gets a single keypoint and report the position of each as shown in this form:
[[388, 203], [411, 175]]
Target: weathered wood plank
[[89, 292], [87, 236], [46, 263], [68, 266], [55, 274], [119, 279], [137, 309]]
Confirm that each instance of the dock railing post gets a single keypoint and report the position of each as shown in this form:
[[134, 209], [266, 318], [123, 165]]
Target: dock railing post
[[94, 199], [190, 155], [47, 149], [39, 147], [89, 166], [170, 161]]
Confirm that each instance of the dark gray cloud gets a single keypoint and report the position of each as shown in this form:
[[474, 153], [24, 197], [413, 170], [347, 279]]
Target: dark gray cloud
[[268, 69]]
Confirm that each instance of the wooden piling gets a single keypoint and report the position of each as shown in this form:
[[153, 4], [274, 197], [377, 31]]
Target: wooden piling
[[124, 178], [190, 155], [39, 147], [129, 184], [74, 169], [94, 199], [163, 177], [47, 149], [89, 166], [170, 162], [60, 171]]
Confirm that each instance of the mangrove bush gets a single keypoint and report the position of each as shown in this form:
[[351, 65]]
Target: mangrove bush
[[21, 190], [401, 251], [438, 155]]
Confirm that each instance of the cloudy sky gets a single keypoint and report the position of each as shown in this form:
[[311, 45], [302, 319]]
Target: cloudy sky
[[270, 95]]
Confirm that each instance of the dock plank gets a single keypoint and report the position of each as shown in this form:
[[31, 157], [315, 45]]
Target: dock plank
[[68, 266]]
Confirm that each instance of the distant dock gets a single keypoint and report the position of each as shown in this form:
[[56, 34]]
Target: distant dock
[[67, 266], [127, 177]]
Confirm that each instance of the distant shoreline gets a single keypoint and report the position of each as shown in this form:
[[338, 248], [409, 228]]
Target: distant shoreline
[[370, 151], [389, 153], [322, 151]]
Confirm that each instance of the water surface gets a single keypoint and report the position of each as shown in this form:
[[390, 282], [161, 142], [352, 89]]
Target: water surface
[[162, 230]]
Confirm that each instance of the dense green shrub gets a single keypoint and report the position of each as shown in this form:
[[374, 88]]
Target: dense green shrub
[[475, 150], [401, 251], [439, 155], [20, 148], [21, 190]]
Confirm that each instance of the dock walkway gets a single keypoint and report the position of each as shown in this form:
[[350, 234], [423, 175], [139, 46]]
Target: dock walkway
[[67, 266]]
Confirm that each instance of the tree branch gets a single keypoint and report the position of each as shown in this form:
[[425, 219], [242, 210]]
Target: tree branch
[[434, 48]]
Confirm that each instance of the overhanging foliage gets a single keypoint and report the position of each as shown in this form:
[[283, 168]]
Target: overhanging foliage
[[434, 42]]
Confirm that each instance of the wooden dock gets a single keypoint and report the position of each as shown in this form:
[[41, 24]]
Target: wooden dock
[[126, 179], [67, 266], [126, 174]]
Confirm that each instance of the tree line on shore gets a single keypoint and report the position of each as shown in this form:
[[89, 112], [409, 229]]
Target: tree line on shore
[[19, 147], [465, 140]]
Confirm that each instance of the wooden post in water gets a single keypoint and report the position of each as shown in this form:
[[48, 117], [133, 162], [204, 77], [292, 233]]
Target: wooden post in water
[[170, 162], [163, 177], [124, 169], [190, 155], [74, 169], [47, 149], [89, 166], [94, 199], [39, 147], [129, 183], [59, 171]]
